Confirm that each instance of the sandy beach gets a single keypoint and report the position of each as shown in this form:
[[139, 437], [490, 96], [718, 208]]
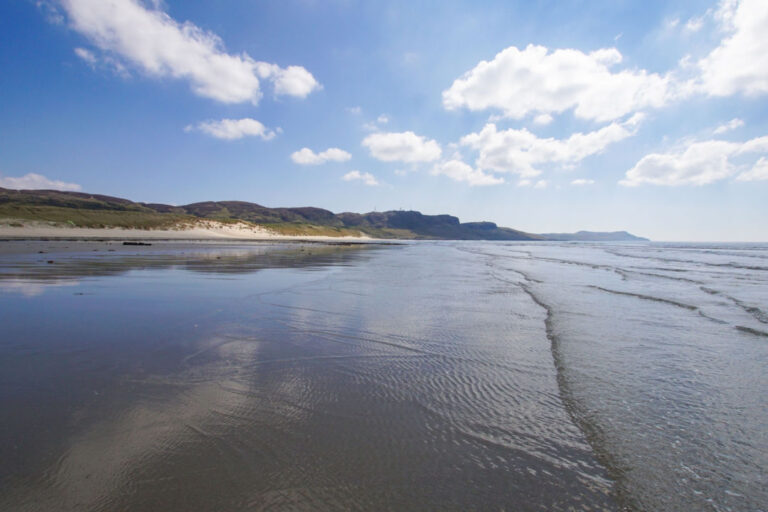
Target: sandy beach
[[204, 230]]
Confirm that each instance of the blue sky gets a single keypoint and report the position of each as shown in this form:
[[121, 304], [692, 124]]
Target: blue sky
[[543, 116]]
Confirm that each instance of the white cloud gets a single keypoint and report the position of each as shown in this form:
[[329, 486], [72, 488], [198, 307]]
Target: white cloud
[[758, 172], [155, 43], [86, 55], [231, 129], [543, 119], [539, 81], [535, 80], [354, 110], [740, 63], [374, 126], [581, 182], [694, 24], [50, 12], [730, 125], [402, 147], [522, 152], [290, 81], [540, 184], [306, 156], [366, 177], [36, 181], [104, 61], [460, 171], [700, 163], [672, 23]]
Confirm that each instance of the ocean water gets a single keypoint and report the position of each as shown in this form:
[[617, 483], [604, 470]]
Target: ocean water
[[422, 376]]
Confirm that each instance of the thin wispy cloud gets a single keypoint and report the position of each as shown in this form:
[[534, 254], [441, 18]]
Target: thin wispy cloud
[[730, 125]]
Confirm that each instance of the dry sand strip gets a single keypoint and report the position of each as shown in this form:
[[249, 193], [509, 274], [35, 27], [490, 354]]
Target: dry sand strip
[[209, 230]]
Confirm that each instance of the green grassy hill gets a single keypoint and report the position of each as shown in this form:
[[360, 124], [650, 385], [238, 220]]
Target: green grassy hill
[[94, 210], [79, 209]]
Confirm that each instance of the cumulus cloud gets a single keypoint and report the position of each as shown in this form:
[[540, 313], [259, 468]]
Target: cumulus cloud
[[522, 152], [366, 177], [535, 80], [306, 156], [290, 81], [730, 125], [402, 147], [539, 81], [543, 119], [460, 171], [580, 182], [152, 41], [36, 181], [758, 172], [740, 63], [231, 129], [701, 163]]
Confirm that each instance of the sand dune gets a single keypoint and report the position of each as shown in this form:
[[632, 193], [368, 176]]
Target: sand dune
[[204, 230]]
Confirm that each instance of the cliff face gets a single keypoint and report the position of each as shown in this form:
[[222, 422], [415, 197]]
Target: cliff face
[[95, 210]]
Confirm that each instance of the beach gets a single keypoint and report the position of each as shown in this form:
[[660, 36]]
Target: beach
[[203, 376], [200, 230]]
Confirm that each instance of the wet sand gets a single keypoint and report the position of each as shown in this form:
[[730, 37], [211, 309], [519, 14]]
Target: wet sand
[[274, 376]]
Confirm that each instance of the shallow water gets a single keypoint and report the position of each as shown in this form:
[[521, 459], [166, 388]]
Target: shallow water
[[425, 376]]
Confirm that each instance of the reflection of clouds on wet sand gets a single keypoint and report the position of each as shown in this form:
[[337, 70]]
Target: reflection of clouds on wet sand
[[176, 415], [33, 288]]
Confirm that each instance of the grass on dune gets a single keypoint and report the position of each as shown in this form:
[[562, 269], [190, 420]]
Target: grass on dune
[[85, 218], [93, 218], [15, 214]]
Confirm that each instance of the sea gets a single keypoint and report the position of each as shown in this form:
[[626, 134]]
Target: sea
[[422, 375]]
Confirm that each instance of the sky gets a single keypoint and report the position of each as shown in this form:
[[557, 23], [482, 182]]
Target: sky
[[544, 116]]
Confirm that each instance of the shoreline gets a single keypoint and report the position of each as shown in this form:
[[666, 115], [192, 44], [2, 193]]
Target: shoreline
[[206, 231], [58, 249]]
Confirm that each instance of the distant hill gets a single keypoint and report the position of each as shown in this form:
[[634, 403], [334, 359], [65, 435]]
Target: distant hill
[[94, 210], [594, 236]]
